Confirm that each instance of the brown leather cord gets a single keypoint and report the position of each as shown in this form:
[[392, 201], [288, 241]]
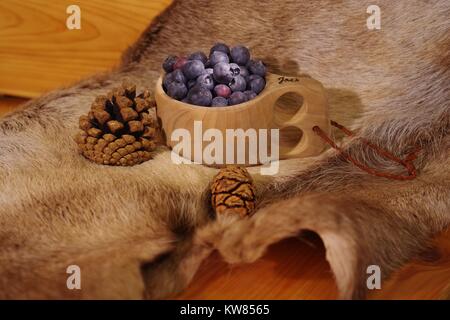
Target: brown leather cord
[[407, 162]]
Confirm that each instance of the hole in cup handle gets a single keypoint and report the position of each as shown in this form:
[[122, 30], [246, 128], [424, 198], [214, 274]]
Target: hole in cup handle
[[313, 112]]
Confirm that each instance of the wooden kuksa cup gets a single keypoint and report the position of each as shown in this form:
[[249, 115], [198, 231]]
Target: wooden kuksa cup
[[292, 104]]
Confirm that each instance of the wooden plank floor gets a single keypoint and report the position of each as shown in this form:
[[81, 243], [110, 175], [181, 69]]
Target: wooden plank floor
[[297, 269], [294, 269], [39, 53]]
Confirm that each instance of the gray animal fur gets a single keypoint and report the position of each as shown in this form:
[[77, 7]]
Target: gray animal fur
[[143, 231]]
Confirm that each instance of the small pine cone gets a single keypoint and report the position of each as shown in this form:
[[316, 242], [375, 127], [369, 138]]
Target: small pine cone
[[233, 192], [119, 129]]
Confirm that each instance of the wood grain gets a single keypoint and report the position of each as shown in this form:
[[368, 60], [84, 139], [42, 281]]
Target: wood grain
[[9, 104], [291, 269], [297, 269], [426, 277], [38, 53], [294, 269]]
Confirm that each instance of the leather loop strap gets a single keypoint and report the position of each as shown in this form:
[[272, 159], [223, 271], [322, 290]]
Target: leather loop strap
[[407, 162]]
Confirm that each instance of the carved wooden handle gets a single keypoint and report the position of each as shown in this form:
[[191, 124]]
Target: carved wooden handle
[[313, 112]]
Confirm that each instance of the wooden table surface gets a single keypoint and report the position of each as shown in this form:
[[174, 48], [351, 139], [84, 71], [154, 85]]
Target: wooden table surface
[[297, 269], [39, 53]]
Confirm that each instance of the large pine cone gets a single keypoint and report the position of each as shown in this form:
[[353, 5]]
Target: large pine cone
[[232, 192], [120, 128]]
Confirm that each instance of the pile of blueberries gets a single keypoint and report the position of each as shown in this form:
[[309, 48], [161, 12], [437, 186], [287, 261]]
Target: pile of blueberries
[[227, 77]]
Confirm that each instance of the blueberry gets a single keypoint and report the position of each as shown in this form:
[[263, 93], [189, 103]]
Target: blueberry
[[240, 55], [250, 94], [168, 78], [200, 96], [168, 63], [222, 47], [177, 90], [238, 83], [206, 80], [219, 102], [244, 72], [222, 73], [216, 57], [252, 76], [235, 69], [230, 76], [257, 67], [256, 83], [193, 68], [198, 56], [176, 75], [236, 98], [180, 63], [191, 83], [222, 90]]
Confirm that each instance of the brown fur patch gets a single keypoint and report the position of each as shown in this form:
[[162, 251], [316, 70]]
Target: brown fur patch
[[143, 231]]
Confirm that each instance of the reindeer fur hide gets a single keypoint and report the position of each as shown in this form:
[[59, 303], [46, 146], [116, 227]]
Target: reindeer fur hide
[[142, 231]]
